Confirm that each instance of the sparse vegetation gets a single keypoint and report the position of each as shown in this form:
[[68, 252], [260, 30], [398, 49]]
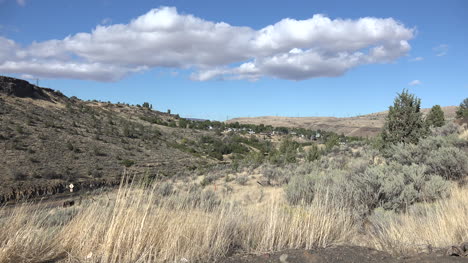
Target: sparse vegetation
[[127, 163], [204, 190]]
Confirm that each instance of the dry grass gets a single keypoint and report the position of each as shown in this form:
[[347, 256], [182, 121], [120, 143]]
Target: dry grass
[[439, 224], [26, 236], [137, 226]]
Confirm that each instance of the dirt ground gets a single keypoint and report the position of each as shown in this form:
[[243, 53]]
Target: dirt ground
[[345, 254]]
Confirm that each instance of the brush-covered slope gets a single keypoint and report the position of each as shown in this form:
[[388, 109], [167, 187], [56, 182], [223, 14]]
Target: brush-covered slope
[[48, 140]]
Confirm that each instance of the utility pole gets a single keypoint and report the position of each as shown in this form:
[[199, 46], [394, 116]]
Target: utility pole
[[37, 82]]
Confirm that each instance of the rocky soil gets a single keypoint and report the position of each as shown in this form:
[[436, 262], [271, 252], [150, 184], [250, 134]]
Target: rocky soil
[[344, 254]]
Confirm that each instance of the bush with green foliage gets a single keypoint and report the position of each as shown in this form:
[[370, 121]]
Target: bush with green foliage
[[441, 154], [448, 129], [313, 153], [449, 162], [391, 186], [288, 150], [435, 117], [404, 122], [394, 186], [462, 111]]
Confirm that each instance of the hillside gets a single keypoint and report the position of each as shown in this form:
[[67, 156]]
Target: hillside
[[49, 140], [365, 125]]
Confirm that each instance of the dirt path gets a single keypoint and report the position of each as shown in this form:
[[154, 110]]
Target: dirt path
[[345, 254]]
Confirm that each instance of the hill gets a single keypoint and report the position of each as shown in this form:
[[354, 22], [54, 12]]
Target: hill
[[364, 126], [49, 140]]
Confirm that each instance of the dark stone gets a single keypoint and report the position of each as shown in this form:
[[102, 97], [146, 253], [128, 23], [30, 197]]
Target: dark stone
[[454, 251], [23, 89], [68, 203]]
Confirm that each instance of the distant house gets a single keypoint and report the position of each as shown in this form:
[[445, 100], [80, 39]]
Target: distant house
[[315, 137]]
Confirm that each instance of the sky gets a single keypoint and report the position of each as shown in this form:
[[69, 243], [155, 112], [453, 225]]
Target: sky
[[224, 59]]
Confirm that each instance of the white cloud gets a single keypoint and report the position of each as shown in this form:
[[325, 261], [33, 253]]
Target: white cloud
[[441, 50], [21, 2], [415, 83], [27, 76], [416, 59], [106, 21], [290, 49]]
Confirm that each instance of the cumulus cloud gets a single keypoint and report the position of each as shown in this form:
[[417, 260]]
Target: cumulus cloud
[[441, 50], [415, 83], [290, 49]]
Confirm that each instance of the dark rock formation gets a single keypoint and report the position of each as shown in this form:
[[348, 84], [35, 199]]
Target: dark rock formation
[[22, 88]]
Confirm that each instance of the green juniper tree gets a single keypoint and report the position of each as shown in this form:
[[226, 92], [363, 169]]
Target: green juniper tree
[[404, 122], [435, 117], [462, 111]]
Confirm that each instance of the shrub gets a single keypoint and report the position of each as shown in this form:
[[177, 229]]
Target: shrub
[[446, 130], [395, 186], [97, 151], [19, 129], [208, 179], [20, 176], [313, 153], [52, 175], [242, 180], [391, 186], [448, 162], [280, 175], [301, 189], [127, 163], [437, 152], [165, 189], [209, 200]]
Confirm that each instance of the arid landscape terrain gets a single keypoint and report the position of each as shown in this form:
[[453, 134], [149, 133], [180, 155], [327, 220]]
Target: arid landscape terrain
[[150, 186], [164, 131], [368, 125]]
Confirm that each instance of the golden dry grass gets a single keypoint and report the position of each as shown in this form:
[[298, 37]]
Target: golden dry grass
[[135, 224], [438, 224]]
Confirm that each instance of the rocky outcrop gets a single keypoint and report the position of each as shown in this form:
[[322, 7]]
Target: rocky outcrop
[[23, 89]]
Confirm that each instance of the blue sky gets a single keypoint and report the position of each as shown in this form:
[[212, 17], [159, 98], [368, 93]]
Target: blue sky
[[303, 58]]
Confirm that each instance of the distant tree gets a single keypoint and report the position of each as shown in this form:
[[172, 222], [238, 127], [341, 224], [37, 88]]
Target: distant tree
[[169, 111], [404, 122], [462, 111], [147, 105], [435, 117]]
